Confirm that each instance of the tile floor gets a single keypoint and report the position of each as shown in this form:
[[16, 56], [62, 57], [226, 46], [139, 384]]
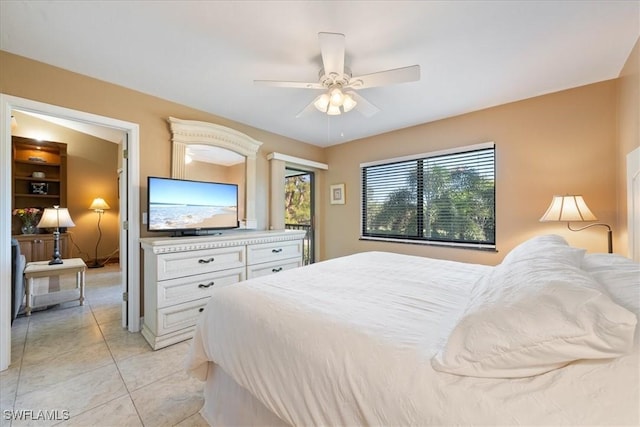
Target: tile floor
[[78, 359]]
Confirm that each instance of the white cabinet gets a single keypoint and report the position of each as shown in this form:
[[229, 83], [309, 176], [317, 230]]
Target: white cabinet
[[182, 273], [271, 258]]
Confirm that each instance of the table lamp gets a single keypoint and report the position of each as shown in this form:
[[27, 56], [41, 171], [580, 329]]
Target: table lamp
[[573, 208], [56, 217]]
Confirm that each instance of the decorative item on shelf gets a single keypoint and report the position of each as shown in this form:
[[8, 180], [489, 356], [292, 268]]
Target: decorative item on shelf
[[337, 194], [573, 208], [98, 206], [56, 217], [38, 174], [41, 188], [29, 218]]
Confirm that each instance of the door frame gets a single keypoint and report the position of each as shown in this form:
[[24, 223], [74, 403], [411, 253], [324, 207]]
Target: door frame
[[130, 210]]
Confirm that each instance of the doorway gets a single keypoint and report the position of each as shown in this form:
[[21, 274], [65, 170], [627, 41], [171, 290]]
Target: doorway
[[129, 209], [299, 209]]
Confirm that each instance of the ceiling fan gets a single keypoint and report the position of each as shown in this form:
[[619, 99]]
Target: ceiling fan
[[339, 85]]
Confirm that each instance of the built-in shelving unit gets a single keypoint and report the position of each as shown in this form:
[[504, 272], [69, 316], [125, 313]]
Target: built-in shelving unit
[[39, 177]]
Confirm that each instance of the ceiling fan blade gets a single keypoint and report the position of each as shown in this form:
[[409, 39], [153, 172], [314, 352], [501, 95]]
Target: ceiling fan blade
[[383, 78], [298, 85], [366, 108], [309, 108], [332, 50]]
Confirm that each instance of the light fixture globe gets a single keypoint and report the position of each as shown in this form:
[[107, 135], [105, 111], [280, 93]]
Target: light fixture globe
[[334, 102], [348, 103], [333, 110], [322, 102], [336, 97]]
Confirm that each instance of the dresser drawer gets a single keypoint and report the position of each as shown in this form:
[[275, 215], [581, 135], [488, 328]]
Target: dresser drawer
[[267, 252], [180, 316], [183, 289], [272, 267], [181, 264]]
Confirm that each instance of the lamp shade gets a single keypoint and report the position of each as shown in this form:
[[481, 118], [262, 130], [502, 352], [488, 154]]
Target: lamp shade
[[55, 218], [568, 208], [99, 204]]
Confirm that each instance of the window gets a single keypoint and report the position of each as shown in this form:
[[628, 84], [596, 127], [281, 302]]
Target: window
[[444, 197]]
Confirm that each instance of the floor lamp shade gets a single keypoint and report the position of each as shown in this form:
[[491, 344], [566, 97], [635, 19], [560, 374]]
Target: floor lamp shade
[[99, 206], [573, 208], [56, 217]]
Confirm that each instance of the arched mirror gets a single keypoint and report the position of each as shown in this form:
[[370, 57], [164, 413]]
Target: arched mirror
[[207, 152]]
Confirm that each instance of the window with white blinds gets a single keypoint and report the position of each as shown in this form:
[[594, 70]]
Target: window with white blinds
[[444, 197]]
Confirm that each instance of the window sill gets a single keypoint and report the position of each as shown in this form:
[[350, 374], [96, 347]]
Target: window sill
[[452, 245]]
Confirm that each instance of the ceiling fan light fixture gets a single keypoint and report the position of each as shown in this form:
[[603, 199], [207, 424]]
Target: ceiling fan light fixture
[[322, 102], [333, 110], [336, 97], [348, 103]]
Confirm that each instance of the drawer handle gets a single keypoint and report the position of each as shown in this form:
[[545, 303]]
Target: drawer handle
[[206, 261], [208, 285], [201, 309], [276, 251], [276, 270]]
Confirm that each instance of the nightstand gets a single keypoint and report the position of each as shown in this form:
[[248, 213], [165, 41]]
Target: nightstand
[[43, 269]]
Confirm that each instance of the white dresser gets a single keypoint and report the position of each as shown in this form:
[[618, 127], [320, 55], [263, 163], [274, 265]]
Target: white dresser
[[181, 273]]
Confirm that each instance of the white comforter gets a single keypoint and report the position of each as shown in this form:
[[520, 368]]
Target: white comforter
[[349, 342]]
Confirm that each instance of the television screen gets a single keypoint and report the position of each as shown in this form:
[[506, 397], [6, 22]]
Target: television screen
[[183, 205]]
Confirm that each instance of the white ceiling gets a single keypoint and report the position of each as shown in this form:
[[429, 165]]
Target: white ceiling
[[206, 54]]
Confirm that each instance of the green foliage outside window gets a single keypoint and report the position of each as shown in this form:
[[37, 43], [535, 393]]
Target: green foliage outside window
[[450, 198], [297, 200]]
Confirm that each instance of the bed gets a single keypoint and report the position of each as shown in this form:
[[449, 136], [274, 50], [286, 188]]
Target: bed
[[547, 337]]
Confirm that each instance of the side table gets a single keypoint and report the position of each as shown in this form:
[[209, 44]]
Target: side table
[[43, 269]]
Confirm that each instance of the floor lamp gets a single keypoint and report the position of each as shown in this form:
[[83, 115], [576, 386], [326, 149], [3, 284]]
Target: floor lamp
[[98, 206], [574, 208], [56, 217]]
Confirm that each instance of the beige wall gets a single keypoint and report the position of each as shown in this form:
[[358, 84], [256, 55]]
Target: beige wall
[[562, 143], [91, 172], [553, 144], [628, 137], [33, 80]]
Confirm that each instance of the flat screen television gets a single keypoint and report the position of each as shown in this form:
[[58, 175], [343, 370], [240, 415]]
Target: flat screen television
[[187, 207]]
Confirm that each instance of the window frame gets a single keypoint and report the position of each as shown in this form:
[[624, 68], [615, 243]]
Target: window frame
[[423, 240]]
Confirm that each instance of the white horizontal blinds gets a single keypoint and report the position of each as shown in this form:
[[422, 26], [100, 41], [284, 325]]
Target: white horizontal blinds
[[390, 206], [440, 198]]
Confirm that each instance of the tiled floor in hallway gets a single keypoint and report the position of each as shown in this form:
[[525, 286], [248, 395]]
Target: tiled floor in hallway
[[78, 361]]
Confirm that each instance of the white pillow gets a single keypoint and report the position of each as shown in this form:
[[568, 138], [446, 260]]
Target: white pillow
[[549, 246], [528, 317], [619, 275]]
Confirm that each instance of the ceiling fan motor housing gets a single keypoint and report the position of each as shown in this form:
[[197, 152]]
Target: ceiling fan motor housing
[[334, 79]]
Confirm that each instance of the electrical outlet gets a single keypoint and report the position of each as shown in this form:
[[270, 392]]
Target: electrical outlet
[[144, 217]]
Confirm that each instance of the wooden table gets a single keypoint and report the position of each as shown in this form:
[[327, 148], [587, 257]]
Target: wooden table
[[43, 269]]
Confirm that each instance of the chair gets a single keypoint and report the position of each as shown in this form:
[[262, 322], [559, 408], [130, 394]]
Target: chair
[[18, 262]]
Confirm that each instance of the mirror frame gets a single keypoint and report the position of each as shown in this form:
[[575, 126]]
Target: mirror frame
[[192, 132]]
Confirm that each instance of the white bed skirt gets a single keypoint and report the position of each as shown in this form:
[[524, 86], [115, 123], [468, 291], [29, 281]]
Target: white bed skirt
[[229, 404]]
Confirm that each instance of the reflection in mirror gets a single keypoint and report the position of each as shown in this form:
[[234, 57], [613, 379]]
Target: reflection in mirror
[[215, 164], [219, 154]]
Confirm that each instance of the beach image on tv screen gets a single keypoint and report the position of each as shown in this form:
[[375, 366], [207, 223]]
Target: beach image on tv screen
[[180, 205]]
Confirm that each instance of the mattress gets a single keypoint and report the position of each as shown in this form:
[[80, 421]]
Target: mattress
[[349, 341]]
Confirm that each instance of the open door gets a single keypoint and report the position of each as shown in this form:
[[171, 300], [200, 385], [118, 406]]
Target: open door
[[299, 208]]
